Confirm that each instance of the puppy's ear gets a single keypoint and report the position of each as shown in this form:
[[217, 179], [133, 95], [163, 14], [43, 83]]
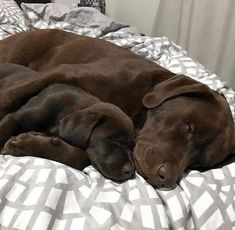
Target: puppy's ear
[[77, 127], [173, 87]]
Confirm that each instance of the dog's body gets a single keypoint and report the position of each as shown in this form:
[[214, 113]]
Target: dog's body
[[81, 120], [50, 147], [181, 122]]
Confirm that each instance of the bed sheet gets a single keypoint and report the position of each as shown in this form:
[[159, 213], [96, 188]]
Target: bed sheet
[[11, 19], [41, 194]]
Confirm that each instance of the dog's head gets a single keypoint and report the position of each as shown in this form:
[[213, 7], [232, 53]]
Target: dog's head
[[107, 135], [187, 125]]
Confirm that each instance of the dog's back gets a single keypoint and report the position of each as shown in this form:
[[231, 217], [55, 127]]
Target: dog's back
[[57, 100], [43, 49]]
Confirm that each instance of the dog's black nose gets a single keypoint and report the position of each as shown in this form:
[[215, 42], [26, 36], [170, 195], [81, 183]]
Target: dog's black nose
[[166, 175]]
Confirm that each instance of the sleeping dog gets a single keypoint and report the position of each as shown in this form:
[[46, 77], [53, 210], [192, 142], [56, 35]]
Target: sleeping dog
[[180, 122], [39, 144], [80, 122]]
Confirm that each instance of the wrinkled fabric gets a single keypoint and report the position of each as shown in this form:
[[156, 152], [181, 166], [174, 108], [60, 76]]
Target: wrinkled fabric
[[41, 194], [74, 19], [11, 19]]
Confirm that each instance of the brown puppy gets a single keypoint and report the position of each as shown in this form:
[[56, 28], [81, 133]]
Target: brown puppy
[[80, 119], [40, 145], [177, 117]]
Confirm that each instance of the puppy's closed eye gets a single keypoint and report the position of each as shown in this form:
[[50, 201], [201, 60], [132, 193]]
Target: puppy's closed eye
[[122, 142]]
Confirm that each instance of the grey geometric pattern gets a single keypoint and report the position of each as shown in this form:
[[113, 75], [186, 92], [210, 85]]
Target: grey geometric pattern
[[41, 194], [80, 20], [98, 4], [39, 16], [10, 12], [11, 19]]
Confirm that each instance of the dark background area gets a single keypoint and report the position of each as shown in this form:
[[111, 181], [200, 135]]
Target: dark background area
[[31, 1]]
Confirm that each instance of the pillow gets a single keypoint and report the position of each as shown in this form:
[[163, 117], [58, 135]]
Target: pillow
[[10, 12], [81, 20], [11, 18]]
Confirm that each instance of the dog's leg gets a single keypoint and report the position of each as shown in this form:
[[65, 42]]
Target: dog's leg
[[33, 116], [53, 148], [8, 127], [21, 121]]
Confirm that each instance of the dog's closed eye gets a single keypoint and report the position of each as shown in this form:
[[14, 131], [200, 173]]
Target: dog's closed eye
[[190, 126], [121, 142], [117, 140]]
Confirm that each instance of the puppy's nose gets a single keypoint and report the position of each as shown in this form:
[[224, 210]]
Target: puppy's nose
[[165, 175], [162, 172], [128, 170]]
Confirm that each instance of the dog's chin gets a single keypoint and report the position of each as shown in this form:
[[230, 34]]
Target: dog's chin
[[115, 179], [155, 184], [162, 187], [167, 188]]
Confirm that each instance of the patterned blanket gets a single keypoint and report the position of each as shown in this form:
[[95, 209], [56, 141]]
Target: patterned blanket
[[41, 194]]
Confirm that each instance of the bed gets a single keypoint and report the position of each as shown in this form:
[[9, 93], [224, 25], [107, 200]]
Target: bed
[[37, 193]]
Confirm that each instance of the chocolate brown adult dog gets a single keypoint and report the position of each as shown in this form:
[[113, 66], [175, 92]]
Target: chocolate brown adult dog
[[181, 122], [79, 119]]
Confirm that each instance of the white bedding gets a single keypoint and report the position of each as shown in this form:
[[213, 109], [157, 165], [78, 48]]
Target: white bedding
[[41, 194]]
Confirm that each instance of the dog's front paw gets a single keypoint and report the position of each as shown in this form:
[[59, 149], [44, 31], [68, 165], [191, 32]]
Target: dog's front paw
[[16, 146], [23, 144], [12, 147], [34, 144]]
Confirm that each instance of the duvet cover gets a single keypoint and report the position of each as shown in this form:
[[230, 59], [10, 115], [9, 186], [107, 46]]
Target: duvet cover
[[40, 194]]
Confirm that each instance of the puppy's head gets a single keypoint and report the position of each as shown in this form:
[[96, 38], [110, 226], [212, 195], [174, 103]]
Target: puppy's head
[[187, 126], [107, 135]]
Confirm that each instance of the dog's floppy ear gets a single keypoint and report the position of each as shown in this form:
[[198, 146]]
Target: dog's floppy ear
[[77, 127], [173, 87]]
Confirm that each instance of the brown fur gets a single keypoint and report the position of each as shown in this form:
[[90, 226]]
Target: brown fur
[[53, 148], [180, 122], [79, 119]]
